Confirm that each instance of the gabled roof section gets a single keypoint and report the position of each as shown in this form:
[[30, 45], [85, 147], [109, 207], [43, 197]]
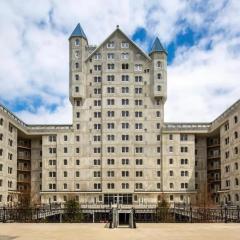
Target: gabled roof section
[[106, 40], [78, 32], [157, 46]]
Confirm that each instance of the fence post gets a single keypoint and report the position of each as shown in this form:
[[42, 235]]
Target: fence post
[[238, 214], [225, 212], [4, 214], [174, 212], [37, 214], [221, 212], [191, 214]]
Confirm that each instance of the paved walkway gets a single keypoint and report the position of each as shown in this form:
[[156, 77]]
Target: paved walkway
[[147, 231]]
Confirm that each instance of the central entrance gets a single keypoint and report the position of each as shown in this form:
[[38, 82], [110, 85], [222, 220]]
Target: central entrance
[[118, 199], [123, 218]]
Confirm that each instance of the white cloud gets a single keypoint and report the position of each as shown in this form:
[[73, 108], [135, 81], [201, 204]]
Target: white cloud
[[34, 52], [202, 84], [61, 115]]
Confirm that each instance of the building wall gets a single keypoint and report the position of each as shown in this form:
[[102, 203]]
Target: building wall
[[230, 158], [94, 143], [178, 167], [8, 161], [201, 169], [107, 152], [36, 169]]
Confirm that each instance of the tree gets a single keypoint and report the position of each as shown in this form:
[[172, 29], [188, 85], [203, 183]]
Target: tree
[[72, 211], [162, 211]]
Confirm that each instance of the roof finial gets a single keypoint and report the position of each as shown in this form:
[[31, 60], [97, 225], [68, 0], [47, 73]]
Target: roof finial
[[117, 26]]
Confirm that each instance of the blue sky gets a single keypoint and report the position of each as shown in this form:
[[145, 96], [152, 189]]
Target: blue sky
[[202, 39]]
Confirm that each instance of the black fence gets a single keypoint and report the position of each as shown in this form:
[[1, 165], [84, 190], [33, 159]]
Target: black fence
[[187, 215], [143, 215]]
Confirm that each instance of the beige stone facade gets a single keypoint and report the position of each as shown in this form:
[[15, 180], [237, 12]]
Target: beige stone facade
[[119, 149]]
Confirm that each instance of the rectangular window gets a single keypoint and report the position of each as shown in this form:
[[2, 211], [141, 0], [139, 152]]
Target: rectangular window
[[125, 125], [138, 67], [110, 56], [110, 66], [125, 173], [139, 161], [125, 66], [97, 79], [125, 56], [97, 67], [110, 101], [110, 113], [125, 78], [110, 78], [97, 56], [139, 173], [183, 137], [110, 90], [111, 161], [138, 79], [110, 44], [125, 113], [184, 149], [110, 173], [124, 45], [125, 89], [125, 161], [125, 101], [138, 90]]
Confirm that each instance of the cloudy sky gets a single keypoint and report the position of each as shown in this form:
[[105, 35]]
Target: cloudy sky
[[202, 39]]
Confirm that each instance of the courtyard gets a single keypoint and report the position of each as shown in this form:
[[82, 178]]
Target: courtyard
[[84, 231]]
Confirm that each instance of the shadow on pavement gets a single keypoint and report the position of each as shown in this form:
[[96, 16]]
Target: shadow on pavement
[[5, 237]]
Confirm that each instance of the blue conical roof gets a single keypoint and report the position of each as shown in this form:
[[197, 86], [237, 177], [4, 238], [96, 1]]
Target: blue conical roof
[[157, 46], [78, 32]]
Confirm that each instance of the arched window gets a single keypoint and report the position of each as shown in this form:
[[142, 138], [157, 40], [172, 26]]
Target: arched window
[[235, 119], [236, 181], [229, 198], [236, 150], [236, 166], [236, 134], [236, 197], [159, 76], [159, 64], [77, 42]]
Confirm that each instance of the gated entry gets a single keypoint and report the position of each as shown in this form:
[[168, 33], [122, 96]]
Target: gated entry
[[120, 217]]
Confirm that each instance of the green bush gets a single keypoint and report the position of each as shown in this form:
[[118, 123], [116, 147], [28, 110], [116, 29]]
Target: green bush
[[72, 212]]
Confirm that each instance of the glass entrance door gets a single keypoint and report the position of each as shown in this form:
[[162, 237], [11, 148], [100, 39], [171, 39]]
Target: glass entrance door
[[117, 198], [120, 199]]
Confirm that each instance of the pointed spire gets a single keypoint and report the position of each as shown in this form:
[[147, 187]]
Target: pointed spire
[[157, 46], [78, 32]]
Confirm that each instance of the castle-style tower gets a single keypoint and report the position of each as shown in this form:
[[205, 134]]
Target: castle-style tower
[[77, 55], [159, 70]]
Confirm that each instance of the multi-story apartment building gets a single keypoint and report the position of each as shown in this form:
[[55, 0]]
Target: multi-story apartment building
[[118, 148]]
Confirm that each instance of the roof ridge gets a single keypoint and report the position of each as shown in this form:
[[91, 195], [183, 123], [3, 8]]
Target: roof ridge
[[118, 29]]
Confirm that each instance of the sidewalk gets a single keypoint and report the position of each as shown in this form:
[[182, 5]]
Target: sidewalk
[[147, 231]]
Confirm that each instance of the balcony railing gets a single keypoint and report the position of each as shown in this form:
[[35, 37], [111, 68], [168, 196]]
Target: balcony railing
[[24, 156], [214, 167], [22, 144], [22, 168], [211, 156], [24, 180]]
